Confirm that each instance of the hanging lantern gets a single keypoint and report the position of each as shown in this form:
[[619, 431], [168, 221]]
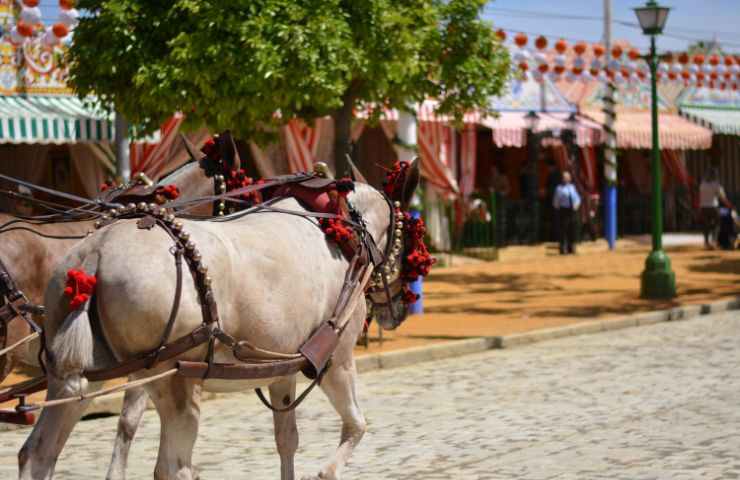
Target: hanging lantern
[[60, 30], [727, 75], [714, 60], [635, 77], [598, 50], [617, 51], [31, 15], [694, 69], [686, 75], [540, 42], [594, 72], [721, 69], [700, 76], [714, 75], [579, 48], [24, 29], [523, 66], [624, 72], [723, 86], [683, 58], [634, 54], [706, 68], [31, 3], [729, 61], [520, 39], [66, 4], [711, 85], [49, 39], [672, 75], [501, 34], [734, 86], [698, 59], [561, 46], [577, 70], [543, 67], [558, 69], [641, 75]]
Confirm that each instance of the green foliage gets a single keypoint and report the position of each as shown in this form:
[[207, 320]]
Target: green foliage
[[234, 64]]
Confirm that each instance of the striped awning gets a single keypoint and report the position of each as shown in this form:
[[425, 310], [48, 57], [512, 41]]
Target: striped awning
[[510, 129], [51, 119], [634, 130], [720, 120]]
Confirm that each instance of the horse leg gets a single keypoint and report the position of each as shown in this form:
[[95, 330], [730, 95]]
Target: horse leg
[[286, 433], [177, 401], [38, 456], [339, 385], [134, 405]]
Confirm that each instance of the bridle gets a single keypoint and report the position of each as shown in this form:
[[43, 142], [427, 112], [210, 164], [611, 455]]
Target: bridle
[[386, 284]]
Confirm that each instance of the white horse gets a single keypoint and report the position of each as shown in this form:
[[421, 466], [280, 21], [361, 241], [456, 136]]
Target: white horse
[[275, 278]]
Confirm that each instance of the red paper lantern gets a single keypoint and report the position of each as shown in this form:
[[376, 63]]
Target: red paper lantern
[[685, 75], [700, 76], [501, 35], [734, 86], [543, 68], [31, 3], [617, 51], [561, 46], [520, 39], [683, 58], [729, 61], [594, 72], [671, 75], [698, 59], [60, 30], [713, 75], [714, 60], [577, 70], [727, 75], [711, 85], [625, 73], [699, 84], [641, 75], [634, 54], [598, 50], [523, 66], [579, 48], [24, 29], [67, 4], [737, 59], [558, 69], [723, 86], [540, 42]]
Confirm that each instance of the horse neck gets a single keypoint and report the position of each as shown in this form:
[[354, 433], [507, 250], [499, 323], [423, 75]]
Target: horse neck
[[190, 180], [375, 211]]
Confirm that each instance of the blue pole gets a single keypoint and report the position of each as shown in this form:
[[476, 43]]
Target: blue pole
[[610, 215], [416, 286]]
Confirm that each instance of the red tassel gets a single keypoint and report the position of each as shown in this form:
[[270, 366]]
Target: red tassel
[[79, 287]]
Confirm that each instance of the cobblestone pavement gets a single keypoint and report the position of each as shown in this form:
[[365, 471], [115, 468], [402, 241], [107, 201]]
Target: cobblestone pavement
[[657, 402]]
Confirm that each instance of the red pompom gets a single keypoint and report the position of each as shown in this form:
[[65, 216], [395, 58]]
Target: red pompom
[[210, 149], [79, 287]]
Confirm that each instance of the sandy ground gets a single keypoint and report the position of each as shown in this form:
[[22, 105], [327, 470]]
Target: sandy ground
[[533, 287]]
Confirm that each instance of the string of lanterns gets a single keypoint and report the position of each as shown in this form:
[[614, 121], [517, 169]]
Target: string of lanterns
[[582, 61], [29, 24]]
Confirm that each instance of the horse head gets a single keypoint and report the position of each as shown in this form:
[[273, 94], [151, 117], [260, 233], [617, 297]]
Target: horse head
[[405, 256]]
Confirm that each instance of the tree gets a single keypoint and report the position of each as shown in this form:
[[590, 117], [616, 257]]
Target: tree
[[250, 65]]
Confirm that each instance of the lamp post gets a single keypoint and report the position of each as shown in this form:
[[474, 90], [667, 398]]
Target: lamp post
[[658, 279]]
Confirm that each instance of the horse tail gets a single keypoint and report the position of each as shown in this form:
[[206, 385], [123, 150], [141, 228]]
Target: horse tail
[[72, 346]]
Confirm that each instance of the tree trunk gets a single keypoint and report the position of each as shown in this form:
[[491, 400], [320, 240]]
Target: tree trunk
[[342, 135]]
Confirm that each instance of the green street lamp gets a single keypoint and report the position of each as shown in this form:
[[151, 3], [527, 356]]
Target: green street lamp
[[658, 280]]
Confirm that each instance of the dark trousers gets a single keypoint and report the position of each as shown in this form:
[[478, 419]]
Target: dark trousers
[[566, 219], [710, 223]]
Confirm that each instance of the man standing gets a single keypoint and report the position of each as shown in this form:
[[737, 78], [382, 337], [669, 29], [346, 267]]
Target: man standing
[[566, 202], [711, 194]]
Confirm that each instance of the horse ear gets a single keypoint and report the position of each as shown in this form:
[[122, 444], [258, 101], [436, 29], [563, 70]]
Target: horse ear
[[355, 172], [412, 181], [189, 147], [229, 152]]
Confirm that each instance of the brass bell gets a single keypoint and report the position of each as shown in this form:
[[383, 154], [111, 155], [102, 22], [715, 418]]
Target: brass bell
[[142, 178], [202, 269], [196, 256], [322, 170], [184, 236], [131, 206], [170, 218], [177, 225], [142, 206], [397, 204], [207, 281], [190, 245]]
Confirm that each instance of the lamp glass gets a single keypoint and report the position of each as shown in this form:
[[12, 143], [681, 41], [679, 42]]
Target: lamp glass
[[532, 120], [652, 18]]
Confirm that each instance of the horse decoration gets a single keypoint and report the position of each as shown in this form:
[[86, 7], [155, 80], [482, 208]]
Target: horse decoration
[[276, 289]]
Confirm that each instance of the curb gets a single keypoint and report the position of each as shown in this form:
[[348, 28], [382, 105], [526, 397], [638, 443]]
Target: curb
[[402, 358]]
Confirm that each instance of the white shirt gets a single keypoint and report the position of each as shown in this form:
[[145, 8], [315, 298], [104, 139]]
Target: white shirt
[[709, 193]]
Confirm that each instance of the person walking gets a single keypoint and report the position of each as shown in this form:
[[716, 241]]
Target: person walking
[[711, 194], [566, 202]]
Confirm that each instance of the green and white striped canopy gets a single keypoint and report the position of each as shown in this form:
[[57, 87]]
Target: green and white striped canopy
[[51, 119]]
